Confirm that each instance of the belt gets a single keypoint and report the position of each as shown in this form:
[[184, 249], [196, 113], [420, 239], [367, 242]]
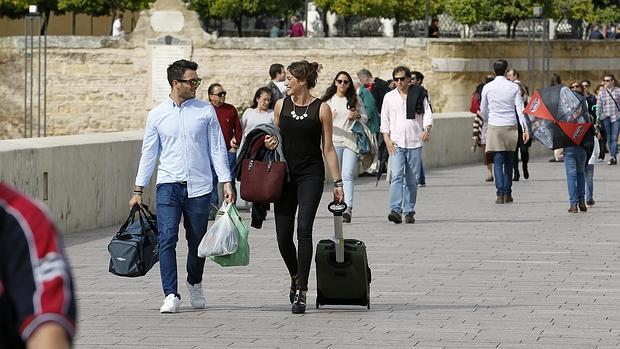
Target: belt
[[183, 183]]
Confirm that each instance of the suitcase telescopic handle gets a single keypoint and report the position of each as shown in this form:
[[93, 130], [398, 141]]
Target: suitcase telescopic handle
[[337, 208]]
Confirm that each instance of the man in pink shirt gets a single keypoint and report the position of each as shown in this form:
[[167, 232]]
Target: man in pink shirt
[[406, 122]]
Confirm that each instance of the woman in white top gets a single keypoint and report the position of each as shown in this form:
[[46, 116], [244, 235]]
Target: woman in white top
[[347, 108], [258, 113]]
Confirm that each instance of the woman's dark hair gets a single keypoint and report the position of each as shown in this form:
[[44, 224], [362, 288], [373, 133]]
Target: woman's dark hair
[[306, 71], [555, 80], [350, 94], [259, 92]]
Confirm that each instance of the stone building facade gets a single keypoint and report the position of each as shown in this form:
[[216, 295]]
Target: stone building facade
[[95, 84]]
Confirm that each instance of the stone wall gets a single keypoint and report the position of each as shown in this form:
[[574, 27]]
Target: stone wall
[[99, 85]]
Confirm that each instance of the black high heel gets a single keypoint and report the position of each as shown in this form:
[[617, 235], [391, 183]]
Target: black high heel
[[299, 305], [293, 288]]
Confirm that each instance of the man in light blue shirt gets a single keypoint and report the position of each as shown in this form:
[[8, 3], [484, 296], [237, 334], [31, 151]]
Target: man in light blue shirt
[[184, 133]]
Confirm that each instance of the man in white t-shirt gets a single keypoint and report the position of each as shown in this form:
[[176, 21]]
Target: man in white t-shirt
[[117, 26]]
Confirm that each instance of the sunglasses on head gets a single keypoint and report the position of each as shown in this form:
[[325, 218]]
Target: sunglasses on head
[[193, 82], [221, 94], [400, 78], [345, 82]]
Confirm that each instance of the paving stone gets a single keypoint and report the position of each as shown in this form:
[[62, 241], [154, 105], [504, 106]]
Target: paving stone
[[468, 274]]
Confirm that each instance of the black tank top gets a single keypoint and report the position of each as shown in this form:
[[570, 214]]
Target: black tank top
[[301, 138]]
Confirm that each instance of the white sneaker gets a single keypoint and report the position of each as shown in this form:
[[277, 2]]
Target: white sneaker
[[197, 297], [171, 304]]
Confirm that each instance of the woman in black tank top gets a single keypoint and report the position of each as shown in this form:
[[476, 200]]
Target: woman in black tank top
[[305, 122]]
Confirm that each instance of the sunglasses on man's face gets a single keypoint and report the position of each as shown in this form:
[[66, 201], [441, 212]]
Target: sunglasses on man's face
[[608, 80], [343, 82], [193, 82], [585, 85], [399, 78], [576, 86], [221, 94]]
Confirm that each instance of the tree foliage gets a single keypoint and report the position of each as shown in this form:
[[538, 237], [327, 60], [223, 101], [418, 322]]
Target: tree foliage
[[511, 12], [468, 12]]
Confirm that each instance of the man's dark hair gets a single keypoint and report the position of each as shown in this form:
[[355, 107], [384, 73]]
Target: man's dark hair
[[212, 86], [401, 68], [500, 66], [275, 69], [177, 69], [419, 76], [555, 80], [587, 82]]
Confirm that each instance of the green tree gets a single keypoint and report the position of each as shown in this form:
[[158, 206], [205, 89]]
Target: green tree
[[606, 11], [511, 12], [410, 10], [468, 12], [237, 9], [19, 9]]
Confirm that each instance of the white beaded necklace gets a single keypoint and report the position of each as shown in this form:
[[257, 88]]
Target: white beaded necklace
[[302, 116]]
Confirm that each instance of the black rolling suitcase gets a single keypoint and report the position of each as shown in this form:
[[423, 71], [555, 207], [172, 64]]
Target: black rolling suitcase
[[342, 272]]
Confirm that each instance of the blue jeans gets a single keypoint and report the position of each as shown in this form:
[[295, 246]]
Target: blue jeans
[[404, 166], [575, 166], [232, 162], [589, 182], [348, 166], [172, 202], [502, 168], [612, 129]]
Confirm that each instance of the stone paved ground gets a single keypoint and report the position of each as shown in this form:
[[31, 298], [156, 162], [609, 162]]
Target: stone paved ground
[[467, 274]]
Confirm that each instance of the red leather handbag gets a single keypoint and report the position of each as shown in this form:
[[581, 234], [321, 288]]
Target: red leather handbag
[[262, 181]]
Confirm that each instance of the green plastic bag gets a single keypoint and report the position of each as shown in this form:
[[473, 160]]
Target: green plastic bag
[[242, 256]]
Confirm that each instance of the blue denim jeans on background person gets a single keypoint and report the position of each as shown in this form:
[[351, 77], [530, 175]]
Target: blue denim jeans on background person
[[421, 175], [612, 129], [502, 168], [347, 159], [589, 178], [172, 202], [404, 166], [232, 162], [575, 165]]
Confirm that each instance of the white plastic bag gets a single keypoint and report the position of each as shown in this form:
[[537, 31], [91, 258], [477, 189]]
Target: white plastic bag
[[222, 238]]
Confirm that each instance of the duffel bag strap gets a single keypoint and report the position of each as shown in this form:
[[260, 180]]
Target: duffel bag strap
[[132, 213]]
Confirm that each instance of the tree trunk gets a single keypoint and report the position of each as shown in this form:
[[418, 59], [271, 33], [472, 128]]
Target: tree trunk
[[73, 23], [239, 22], [46, 21], [514, 28], [325, 25], [509, 26], [396, 27], [347, 19]]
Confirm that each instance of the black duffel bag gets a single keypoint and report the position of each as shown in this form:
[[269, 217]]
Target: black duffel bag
[[134, 249]]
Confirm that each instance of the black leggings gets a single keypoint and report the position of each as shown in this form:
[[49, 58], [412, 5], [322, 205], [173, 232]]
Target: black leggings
[[306, 193]]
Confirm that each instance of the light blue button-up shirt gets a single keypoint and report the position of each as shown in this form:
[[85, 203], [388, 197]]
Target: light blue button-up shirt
[[187, 139]]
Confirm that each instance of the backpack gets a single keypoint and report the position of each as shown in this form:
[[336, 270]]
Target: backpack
[[134, 249]]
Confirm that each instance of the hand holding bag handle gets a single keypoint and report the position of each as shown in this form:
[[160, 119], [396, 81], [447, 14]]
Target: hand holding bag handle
[[141, 210]]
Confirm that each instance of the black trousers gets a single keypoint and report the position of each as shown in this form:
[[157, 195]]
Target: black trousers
[[525, 153], [301, 194]]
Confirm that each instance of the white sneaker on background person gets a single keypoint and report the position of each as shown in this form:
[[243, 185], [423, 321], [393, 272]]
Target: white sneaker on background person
[[197, 297], [171, 304]]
